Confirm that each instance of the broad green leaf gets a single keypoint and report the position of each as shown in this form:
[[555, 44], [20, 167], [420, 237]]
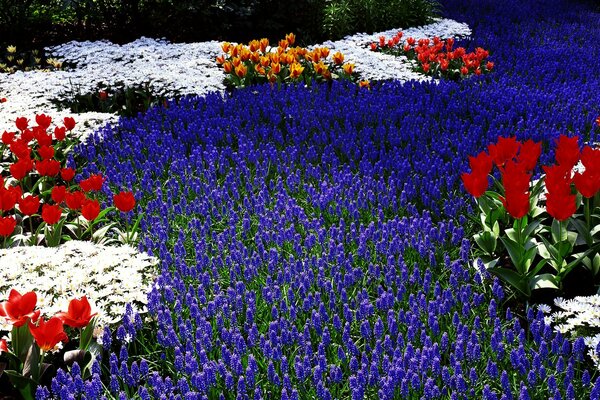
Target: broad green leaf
[[531, 228], [486, 241], [543, 281], [514, 280], [515, 251], [559, 231]]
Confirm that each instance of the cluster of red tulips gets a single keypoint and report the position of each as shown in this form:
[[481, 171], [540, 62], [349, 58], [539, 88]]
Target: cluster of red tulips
[[38, 191], [33, 337], [437, 57]]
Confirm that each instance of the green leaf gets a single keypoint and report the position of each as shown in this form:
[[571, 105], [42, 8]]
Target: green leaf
[[583, 231], [515, 251], [86, 335], [486, 241], [539, 265], [543, 281], [513, 279], [31, 365], [559, 231], [24, 385], [531, 228]]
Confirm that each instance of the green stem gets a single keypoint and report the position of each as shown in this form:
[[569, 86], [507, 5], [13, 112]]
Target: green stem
[[33, 236], [587, 214]]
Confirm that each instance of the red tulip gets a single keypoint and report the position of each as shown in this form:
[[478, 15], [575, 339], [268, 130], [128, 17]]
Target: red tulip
[[58, 193], [558, 179], [3, 346], [69, 123], [60, 132], [20, 148], [560, 205], [516, 203], [47, 167], [7, 226], [74, 200], [43, 120], [67, 174], [93, 183], [567, 151], [43, 138], [587, 183], [515, 178], [29, 205], [8, 137], [590, 158], [506, 149], [21, 123], [9, 197], [529, 153], [46, 152], [47, 334], [78, 315], [124, 201], [90, 209], [19, 307], [21, 168], [475, 183], [51, 214]]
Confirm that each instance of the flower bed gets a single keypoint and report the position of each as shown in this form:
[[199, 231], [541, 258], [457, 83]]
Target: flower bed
[[314, 242]]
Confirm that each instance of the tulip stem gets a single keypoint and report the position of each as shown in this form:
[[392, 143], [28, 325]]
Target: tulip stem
[[33, 235], [587, 213]]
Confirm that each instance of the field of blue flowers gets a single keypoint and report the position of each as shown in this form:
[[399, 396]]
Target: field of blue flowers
[[314, 242]]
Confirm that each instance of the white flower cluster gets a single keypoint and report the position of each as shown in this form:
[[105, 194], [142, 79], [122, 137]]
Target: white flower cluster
[[110, 277], [172, 68], [579, 313]]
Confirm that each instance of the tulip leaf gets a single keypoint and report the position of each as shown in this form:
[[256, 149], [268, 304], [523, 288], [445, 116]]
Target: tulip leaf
[[543, 281], [87, 335], [559, 231], [539, 265], [31, 366], [516, 252], [486, 241], [74, 356], [24, 385], [531, 228], [513, 278]]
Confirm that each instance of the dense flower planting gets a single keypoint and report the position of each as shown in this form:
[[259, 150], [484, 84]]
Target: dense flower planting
[[39, 194], [313, 242], [437, 57], [547, 228], [258, 62]]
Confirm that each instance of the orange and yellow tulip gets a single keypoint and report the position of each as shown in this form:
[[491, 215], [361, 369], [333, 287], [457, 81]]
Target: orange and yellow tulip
[[275, 68], [290, 38], [348, 68], [338, 58], [296, 70], [245, 54], [254, 45], [264, 43], [283, 44], [241, 70], [226, 46], [236, 61], [255, 57], [364, 84], [220, 59], [320, 67], [264, 61], [259, 69], [227, 67]]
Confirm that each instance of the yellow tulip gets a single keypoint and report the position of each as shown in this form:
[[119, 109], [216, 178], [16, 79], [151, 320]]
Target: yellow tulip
[[296, 70], [275, 58], [338, 58], [364, 84], [324, 52], [320, 67], [276, 68], [254, 45], [245, 54], [236, 61], [255, 57], [283, 44], [290, 38], [259, 69], [241, 70], [226, 46], [11, 49], [264, 43], [348, 68], [264, 61], [227, 67]]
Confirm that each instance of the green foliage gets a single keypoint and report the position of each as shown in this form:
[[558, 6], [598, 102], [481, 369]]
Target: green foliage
[[123, 100], [343, 17]]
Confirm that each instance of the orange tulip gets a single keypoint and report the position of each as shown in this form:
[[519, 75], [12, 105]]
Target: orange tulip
[[255, 57], [228, 67], [290, 38], [264, 43], [254, 45], [236, 61], [259, 69], [364, 84], [272, 77], [283, 44], [324, 52], [296, 70], [275, 58], [245, 54], [241, 70], [264, 61], [275, 68], [226, 46], [338, 58], [320, 67], [348, 68]]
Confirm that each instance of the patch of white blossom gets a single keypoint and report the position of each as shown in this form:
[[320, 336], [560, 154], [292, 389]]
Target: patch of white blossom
[[170, 69], [580, 314], [110, 277]]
